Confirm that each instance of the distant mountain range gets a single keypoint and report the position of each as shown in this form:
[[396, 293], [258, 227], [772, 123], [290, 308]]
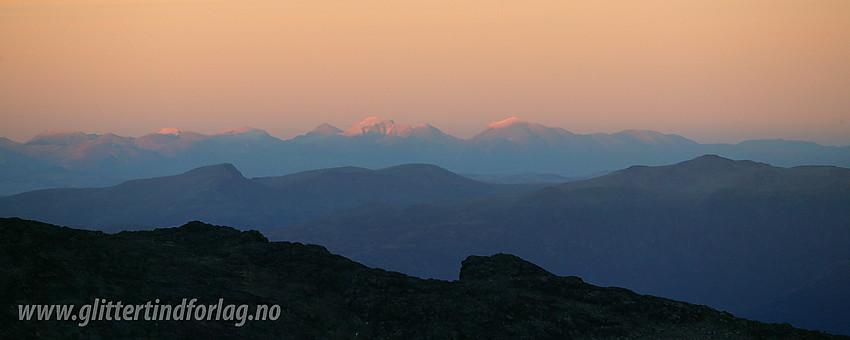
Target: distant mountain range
[[759, 241], [58, 158], [221, 194], [321, 295]]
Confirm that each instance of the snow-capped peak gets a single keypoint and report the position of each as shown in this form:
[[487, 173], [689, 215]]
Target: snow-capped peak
[[506, 123], [378, 126], [171, 131]]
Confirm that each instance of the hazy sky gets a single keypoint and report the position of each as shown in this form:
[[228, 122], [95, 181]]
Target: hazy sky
[[713, 71]]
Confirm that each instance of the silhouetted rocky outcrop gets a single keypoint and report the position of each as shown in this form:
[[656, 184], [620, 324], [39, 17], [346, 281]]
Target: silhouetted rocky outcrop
[[322, 295]]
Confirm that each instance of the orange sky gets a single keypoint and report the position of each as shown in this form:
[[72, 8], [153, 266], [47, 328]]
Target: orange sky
[[714, 71]]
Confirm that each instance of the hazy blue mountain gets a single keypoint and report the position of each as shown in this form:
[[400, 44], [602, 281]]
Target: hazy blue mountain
[[521, 178], [24, 173], [109, 154], [61, 137], [221, 194], [169, 141], [507, 147], [321, 295], [784, 152], [735, 235], [56, 159], [216, 193]]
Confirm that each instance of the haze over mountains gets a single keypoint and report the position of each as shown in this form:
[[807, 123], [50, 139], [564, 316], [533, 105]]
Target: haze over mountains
[[756, 240], [765, 238], [221, 194], [58, 158], [760, 241]]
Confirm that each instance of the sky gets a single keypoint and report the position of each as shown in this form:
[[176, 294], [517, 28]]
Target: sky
[[712, 71]]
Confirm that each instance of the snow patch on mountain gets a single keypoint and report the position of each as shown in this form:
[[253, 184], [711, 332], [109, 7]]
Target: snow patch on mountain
[[378, 126], [506, 123], [171, 131]]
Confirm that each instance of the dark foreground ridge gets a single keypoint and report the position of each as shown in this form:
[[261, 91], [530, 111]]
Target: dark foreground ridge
[[322, 295]]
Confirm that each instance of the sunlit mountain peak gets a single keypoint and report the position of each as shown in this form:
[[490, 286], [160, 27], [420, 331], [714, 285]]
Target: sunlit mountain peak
[[171, 131], [506, 123], [378, 126]]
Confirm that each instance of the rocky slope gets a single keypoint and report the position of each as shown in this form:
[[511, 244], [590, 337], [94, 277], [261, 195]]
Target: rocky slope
[[323, 295]]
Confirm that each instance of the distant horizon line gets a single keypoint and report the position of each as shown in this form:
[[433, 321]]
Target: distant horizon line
[[175, 130]]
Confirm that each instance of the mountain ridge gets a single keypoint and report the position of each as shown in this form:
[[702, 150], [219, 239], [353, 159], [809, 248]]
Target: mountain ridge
[[388, 127], [704, 235], [508, 147], [222, 194], [712, 173]]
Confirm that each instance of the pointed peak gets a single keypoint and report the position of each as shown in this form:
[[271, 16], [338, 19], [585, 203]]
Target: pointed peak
[[506, 123], [325, 129], [426, 127], [427, 130]]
